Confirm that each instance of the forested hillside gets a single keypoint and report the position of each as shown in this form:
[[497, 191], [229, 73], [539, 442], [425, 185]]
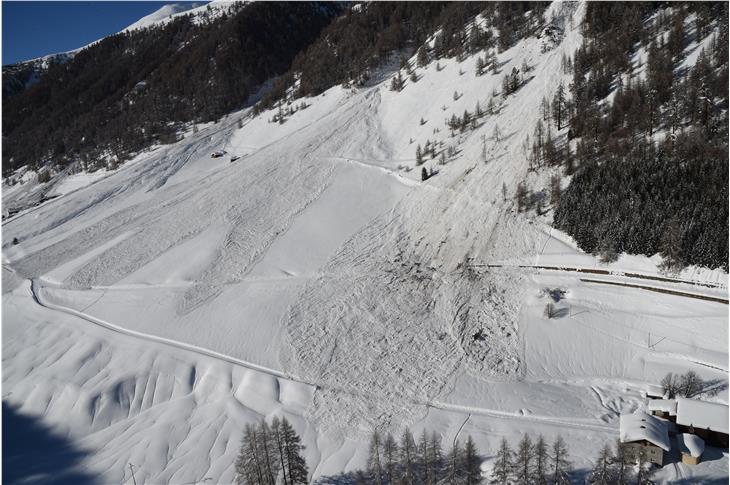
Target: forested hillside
[[641, 132], [649, 123], [135, 88], [351, 49], [639, 135]]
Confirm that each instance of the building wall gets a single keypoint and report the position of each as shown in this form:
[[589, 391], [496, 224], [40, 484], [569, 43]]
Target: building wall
[[652, 452], [689, 459]]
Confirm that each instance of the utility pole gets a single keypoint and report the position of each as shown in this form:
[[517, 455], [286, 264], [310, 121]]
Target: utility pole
[[131, 469]]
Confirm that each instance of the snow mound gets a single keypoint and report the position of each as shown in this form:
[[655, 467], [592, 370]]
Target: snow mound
[[691, 444]]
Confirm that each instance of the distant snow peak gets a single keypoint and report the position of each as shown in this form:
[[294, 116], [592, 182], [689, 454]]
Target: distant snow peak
[[163, 13]]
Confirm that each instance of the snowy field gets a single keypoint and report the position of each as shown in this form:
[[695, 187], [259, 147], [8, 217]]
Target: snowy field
[[150, 313]]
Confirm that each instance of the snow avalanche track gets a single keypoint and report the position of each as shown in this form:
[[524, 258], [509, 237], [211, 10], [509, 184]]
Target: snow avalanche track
[[181, 297]]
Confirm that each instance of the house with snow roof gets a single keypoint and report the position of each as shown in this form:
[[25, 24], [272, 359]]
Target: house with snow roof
[[663, 408], [654, 391], [644, 433], [708, 420]]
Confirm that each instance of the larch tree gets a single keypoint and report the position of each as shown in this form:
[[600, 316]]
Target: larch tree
[[374, 458], [522, 466], [561, 467], [540, 462], [502, 471], [390, 457], [279, 441], [296, 466], [455, 464], [407, 456], [437, 456], [559, 106], [603, 471]]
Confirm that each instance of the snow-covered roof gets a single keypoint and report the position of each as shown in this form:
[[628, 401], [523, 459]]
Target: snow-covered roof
[[665, 405], [702, 414], [652, 390], [691, 444], [641, 426]]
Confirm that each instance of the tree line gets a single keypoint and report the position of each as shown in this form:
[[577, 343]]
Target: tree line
[[271, 455]]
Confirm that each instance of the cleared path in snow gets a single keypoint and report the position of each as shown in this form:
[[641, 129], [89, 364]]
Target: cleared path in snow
[[602, 272], [658, 290]]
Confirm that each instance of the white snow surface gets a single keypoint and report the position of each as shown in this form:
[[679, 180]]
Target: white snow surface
[[640, 426], [690, 444], [163, 14], [180, 297], [665, 405]]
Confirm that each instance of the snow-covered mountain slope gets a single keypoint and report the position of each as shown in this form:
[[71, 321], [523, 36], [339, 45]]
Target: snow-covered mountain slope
[[151, 314], [21, 75], [163, 14]]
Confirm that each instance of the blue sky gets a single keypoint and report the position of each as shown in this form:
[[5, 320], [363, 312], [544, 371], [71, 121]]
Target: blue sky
[[34, 29]]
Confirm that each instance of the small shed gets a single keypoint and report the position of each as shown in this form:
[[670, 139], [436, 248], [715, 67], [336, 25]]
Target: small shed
[[663, 408], [642, 433], [691, 447], [708, 420], [654, 391]]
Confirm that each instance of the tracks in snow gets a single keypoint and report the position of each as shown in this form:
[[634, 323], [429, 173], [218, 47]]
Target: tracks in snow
[[36, 287], [562, 422]]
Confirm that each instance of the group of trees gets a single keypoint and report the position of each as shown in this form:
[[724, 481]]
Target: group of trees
[[619, 466], [271, 455], [424, 462], [532, 463], [406, 461], [138, 87], [652, 174], [688, 384], [365, 38], [669, 202]]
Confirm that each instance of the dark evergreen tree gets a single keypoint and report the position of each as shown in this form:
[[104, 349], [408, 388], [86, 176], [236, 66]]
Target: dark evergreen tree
[[472, 463]]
